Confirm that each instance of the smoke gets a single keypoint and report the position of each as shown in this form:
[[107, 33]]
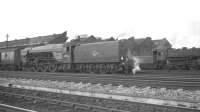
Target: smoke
[[121, 35], [136, 62], [136, 65]]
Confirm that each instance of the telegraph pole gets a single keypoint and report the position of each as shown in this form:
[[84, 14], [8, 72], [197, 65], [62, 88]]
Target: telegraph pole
[[6, 44], [7, 36]]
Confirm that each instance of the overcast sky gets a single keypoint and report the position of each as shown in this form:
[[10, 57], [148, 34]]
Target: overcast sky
[[176, 20]]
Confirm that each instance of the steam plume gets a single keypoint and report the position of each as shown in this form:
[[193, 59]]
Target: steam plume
[[136, 65], [136, 62]]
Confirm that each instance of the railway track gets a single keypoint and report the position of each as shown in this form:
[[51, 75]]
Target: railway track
[[10, 108], [36, 98], [145, 73], [158, 80], [150, 73], [53, 102]]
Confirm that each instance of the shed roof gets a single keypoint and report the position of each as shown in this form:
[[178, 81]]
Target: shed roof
[[49, 39]]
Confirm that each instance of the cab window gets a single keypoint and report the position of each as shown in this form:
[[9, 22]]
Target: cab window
[[67, 49]]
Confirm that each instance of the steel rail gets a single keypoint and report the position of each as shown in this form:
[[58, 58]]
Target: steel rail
[[73, 104], [159, 81], [16, 108]]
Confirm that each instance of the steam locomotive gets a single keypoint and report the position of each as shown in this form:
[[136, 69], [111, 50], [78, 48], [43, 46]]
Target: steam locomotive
[[187, 59], [113, 56], [99, 57], [57, 56]]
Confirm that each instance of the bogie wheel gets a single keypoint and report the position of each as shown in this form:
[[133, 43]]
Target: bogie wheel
[[34, 69], [43, 68], [84, 68], [52, 68], [65, 68], [87, 68], [103, 68], [108, 68], [60, 68], [93, 69], [90, 68], [81, 68], [97, 68], [112, 68]]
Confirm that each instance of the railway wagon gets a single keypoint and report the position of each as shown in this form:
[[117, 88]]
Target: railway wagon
[[106, 57], [10, 59]]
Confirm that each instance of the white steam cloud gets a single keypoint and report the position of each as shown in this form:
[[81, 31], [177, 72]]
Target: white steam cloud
[[136, 65], [136, 62]]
